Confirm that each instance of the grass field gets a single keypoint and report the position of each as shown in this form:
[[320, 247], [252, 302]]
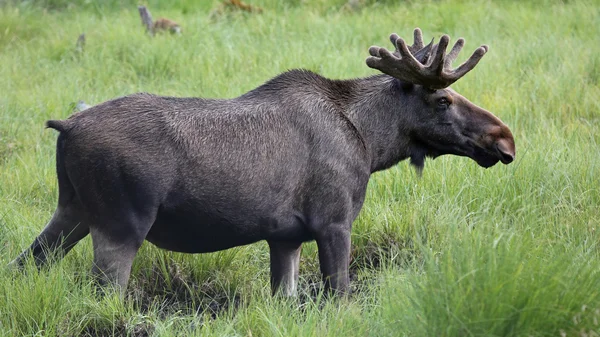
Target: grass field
[[463, 251]]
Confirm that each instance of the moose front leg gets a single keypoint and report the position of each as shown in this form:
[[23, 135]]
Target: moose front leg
[[334, 258], [285, 260]]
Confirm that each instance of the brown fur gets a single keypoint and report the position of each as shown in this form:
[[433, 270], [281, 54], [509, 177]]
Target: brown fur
[[240, 5], [163, 24]]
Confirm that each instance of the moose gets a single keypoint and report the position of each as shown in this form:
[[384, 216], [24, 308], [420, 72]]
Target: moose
[[287, 162]]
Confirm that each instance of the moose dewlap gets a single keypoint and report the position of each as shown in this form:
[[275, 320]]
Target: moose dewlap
[[287, 162]]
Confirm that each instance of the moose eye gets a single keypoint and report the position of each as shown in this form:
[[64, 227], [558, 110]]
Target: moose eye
[[443, 102]]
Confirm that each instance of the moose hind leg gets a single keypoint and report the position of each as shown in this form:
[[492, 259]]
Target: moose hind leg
[[115, 246], [334, 258], [61, 234], [285, 260]]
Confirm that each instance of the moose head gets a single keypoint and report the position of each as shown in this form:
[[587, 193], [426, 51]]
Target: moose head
[[436, 119]]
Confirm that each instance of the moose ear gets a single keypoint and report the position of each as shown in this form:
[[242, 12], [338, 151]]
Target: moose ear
[[424, 53], [406, 86]]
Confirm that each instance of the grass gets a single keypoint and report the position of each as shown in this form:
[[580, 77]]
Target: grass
[[508, 251]]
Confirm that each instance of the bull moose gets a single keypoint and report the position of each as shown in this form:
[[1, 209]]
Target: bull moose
[[287, 162]]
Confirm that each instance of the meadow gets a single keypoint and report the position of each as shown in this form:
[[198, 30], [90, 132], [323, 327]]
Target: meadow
[[461, 251]]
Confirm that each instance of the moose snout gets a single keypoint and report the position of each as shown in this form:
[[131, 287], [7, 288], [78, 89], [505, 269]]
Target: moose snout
[[506, 150]]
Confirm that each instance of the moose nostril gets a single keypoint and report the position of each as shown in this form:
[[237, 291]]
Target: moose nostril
[[505, 156]]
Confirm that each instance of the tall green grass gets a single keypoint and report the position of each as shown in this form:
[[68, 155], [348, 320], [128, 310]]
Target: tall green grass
[[462, 251]]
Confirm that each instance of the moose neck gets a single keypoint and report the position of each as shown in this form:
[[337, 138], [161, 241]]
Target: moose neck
[[378, 113]]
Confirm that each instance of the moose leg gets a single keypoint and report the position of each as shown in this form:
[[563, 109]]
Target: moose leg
[[285, 260], [334, 258], [113, 258], [61, 234], [116, 244]]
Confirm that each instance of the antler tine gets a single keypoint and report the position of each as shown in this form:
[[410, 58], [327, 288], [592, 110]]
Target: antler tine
[[436, 63], [469, 64], [433, 66], [406, 55], [374, 51], [418, 38], [417, 44], [454, 52]]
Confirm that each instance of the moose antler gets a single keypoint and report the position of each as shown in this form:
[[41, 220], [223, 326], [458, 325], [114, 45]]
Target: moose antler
[[428, 66]]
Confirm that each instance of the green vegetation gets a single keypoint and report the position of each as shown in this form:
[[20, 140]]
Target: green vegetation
[[463, 251]]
